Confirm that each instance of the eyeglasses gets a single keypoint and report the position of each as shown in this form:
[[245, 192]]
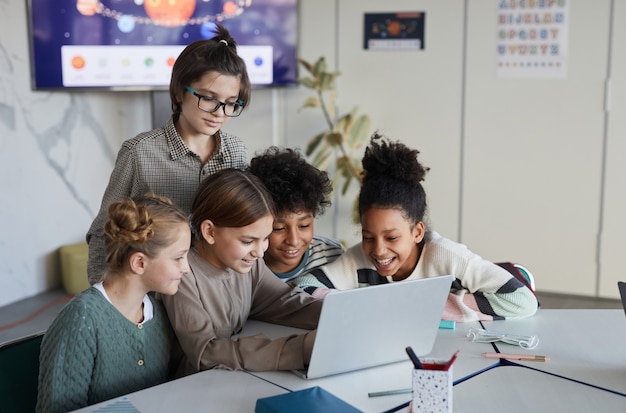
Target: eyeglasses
[[210, 104]]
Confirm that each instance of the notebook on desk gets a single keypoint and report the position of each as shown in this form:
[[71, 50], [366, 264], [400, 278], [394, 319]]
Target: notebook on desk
[[622, 292], [372, 326]]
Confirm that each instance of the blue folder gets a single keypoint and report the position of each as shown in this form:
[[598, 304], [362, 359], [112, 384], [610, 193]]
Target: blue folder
[[311, 400]]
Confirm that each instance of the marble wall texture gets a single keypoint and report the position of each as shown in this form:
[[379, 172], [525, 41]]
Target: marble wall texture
[[57, 150]]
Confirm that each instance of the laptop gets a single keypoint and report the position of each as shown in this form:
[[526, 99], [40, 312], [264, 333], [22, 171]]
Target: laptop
[[372, 326], [622, 292]]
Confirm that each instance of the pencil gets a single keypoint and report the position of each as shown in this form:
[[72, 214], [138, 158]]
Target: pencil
[[524, 357], [389, 392]]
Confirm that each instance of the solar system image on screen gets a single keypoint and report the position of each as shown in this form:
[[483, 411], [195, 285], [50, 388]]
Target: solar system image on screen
[[132, 44]]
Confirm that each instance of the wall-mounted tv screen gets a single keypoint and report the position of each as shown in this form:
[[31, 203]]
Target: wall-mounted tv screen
[[132, 44]]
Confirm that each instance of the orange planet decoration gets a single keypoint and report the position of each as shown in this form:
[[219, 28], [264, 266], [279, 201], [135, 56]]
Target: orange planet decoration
[[87, 7], [229, 8], [170, 13], [78, 62]]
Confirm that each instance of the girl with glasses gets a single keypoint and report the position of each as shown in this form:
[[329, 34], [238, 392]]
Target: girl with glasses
[[209, 85]]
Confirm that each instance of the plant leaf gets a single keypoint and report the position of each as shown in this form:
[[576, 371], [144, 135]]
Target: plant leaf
[[345, 134], [346, 185], [306, 65], [334, 139], [343, 123], [327, 81], [307, 82], [314, 143], [310, 102], [322, 160], [359, 132], [319, 67], [343, 166], [331, 106]]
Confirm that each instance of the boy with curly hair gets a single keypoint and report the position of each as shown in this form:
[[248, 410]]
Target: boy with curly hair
[[301, 193]]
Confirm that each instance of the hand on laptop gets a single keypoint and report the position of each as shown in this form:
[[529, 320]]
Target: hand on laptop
[[309, 339]]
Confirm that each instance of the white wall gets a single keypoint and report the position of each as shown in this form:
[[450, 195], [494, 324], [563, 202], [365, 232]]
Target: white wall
[[507, 189], [412, 96], [533, 157], [612, 228]]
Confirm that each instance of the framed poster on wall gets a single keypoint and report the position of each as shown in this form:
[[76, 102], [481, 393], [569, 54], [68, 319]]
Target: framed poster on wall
[[394, 31]]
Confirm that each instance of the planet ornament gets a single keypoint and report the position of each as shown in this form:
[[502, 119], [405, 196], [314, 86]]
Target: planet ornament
[[166, 13], [170, 13]]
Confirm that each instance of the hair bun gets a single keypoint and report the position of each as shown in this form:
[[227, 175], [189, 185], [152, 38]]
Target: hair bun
[[129, 222], [392, 160]]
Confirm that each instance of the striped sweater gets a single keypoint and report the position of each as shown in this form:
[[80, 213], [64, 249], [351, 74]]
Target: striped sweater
[[481, 290], [321, 251]]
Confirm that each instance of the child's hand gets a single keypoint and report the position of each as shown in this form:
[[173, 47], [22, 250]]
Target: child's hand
[[321, 292]]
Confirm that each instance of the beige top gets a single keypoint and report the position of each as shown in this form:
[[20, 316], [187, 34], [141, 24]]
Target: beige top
[[212, 305]]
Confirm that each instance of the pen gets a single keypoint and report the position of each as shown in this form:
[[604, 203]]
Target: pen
[[525, 357], [389, 392], [416, 361]]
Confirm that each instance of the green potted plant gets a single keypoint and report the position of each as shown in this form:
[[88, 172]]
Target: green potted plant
[[343, 134]]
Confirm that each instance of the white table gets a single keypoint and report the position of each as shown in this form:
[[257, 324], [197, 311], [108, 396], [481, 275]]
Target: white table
[[584, 345], [514, 389], [207, 391]]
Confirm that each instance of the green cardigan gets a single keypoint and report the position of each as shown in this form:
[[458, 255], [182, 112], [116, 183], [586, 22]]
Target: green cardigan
[[92, 353]]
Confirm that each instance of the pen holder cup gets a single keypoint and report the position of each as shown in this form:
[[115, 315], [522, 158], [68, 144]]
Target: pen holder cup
[[432, 388]]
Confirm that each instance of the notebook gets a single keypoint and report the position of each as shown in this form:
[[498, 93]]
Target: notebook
[[622, 292], [311, 400], [372, 326]]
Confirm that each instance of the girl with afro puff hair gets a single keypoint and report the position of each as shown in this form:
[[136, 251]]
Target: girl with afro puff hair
[[397, 246]]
